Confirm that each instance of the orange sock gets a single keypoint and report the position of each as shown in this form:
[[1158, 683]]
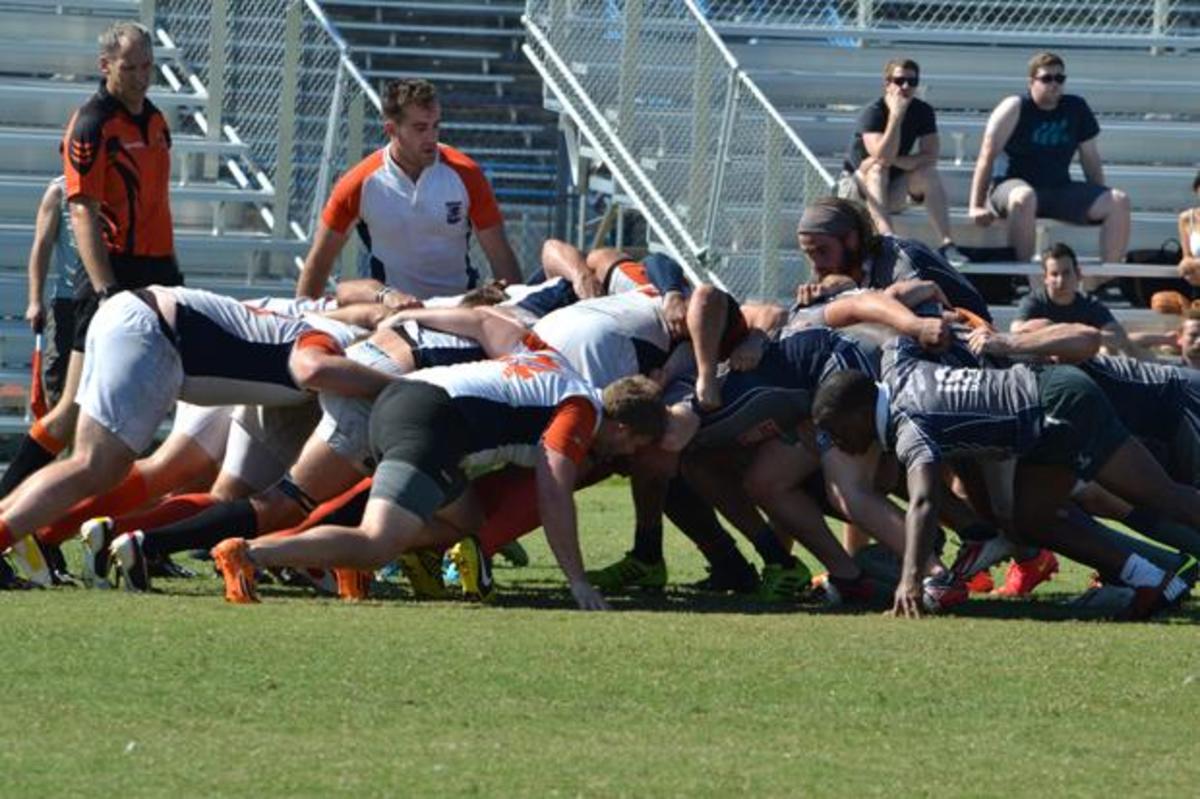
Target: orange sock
[[45, 439], [130, 493], [510, 506], [167, 511], [6, 536], [322, 511]]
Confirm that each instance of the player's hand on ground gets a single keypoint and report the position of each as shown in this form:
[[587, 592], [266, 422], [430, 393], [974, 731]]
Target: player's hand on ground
[[587, 597], [749, 352], [675, 314], [981, 216], [907, 601]]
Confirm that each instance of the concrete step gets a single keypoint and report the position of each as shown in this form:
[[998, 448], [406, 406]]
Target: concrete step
[[38, 56]]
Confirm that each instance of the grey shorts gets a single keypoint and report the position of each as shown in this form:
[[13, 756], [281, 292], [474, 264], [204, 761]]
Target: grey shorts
[[132, 374], [419, 439], [206, 425], [344, 420], [1069, 203], [264, 442]]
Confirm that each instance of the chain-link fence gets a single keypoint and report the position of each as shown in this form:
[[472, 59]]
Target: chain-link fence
[[714, 169], [1136, 18], [280, 80]]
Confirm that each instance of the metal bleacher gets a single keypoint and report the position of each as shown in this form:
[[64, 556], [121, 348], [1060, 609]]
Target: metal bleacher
[[492, 99], [220, 205], [1148, 106]]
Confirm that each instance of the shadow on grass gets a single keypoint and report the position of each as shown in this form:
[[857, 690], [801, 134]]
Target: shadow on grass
[[551, 594]]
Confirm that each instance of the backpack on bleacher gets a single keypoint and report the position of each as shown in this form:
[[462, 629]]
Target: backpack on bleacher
[[1138, 290]]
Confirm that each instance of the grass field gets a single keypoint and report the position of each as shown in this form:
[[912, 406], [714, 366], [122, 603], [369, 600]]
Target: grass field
[[181, 695]]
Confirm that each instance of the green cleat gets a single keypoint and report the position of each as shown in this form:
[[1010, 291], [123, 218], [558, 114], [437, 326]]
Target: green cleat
[[474, 570], [423, 568], [783, 584], [629, 572], [514, 553]]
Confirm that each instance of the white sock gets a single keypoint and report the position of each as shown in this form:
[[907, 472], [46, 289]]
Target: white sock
[[1174, 589], [1141, 573]]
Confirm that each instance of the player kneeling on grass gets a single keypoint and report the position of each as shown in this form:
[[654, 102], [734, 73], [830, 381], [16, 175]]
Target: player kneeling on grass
[[530, 408]]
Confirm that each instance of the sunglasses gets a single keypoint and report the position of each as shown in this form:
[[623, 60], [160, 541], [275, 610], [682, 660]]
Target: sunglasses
[[1048, 79], [903, 80]]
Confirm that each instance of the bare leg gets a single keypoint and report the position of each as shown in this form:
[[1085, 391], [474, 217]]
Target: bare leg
[[873, 182], [1022, 222], [775, 482], [387, 530], [99, 462], [1112, 210], [927, 184], [706, 315], [1040, 493], [1133, 474]]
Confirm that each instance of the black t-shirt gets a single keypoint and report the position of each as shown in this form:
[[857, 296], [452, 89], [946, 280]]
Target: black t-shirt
[[918, 121], [1042, 145], [1084, 309]]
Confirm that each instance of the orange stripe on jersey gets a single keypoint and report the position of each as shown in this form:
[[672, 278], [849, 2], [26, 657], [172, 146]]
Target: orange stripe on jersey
[[572, 429], [342, 209], [484, 212], [320, 340], [534, 342]]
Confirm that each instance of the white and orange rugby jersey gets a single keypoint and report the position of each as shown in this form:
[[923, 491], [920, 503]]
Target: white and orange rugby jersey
[[233, 354], [515, 404], [416, 233]]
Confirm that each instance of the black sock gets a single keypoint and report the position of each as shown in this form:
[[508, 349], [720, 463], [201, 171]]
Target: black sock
[[205, 530], [648, 543], [349, 514], [1166, 531], [697, 520], [30, 457], [767, 544]]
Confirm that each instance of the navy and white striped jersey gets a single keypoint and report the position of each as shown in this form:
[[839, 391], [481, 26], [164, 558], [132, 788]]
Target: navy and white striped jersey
[[909, 259], [771, 399], [1150, 398], [938, 412]]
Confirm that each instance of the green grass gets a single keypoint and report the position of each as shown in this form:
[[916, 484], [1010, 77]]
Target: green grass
[[179, 694]]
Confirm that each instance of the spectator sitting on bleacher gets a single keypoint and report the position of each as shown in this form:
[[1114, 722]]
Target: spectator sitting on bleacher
[[1023, 171], [1189, 239], [415, 203], [1059, 299], [881, 169], [53, 240]]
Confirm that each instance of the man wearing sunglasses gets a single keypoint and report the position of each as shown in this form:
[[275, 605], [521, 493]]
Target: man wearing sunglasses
[[882, 171], [1023, 171]]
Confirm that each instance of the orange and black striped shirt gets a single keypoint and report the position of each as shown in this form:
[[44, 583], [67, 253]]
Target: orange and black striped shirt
[[124, 162]]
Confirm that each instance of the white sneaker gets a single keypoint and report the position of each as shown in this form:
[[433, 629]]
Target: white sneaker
[[126, 550], [953, 256], [94, 535]]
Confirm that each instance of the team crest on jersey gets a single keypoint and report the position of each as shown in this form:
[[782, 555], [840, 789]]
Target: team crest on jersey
[[454, 212], [526, 366]]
